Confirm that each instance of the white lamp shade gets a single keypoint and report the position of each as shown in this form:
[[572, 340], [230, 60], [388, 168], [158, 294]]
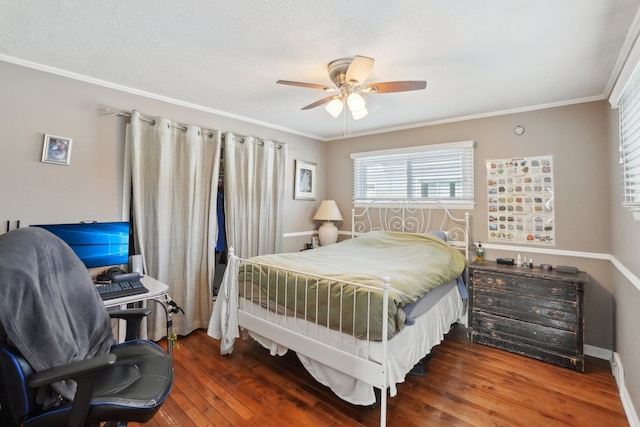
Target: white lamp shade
[[328, 232], [328, 211], [334, 107]]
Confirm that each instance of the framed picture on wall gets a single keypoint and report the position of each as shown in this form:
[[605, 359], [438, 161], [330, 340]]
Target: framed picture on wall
[[56, 149], [305, 181]]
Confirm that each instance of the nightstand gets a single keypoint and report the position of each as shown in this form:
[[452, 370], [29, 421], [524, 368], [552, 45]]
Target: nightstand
[[529, 311]]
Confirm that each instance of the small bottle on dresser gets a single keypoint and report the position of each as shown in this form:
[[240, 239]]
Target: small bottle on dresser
[[479, 252]]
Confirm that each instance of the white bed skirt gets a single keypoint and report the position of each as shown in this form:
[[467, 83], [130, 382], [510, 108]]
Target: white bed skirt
[[406, 348]]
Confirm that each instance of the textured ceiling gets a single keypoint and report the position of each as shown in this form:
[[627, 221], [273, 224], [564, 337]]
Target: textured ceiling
[[478, 57]]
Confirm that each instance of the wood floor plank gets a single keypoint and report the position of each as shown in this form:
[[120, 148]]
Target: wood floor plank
[[559, 383], [466, 384]]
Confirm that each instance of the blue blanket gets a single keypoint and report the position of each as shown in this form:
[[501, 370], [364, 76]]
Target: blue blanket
[[49, 308]]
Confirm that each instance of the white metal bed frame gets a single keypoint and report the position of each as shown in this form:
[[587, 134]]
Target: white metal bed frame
[[277, 325]]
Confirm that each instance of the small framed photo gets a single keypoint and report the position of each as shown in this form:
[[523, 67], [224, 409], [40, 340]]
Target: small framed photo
[[56, 149], [305, 181]]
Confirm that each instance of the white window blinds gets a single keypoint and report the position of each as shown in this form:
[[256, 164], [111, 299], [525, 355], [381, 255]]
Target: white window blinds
[[630, 144], [432, 173]]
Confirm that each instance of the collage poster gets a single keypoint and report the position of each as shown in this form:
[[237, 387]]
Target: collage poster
[[520, 200]]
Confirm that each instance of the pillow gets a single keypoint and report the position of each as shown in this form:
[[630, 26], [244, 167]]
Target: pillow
[[439, 234]]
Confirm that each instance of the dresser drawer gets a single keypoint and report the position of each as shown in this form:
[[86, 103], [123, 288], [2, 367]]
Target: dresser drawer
[[546, 312], [523, 285], [515, 333]]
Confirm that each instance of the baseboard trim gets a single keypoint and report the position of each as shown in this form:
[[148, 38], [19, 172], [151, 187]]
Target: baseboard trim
[[627, 403], [597, 352]]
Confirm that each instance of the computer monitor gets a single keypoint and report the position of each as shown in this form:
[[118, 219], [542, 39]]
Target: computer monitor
[[97, 244]]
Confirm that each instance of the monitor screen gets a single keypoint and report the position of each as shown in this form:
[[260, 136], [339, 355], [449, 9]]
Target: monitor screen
[[97, 244]]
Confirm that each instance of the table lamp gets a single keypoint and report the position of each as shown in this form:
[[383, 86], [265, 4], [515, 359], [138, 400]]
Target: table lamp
[[328, 212]]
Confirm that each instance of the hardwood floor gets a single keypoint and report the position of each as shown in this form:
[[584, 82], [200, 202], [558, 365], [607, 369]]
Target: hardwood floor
[[466, 384]]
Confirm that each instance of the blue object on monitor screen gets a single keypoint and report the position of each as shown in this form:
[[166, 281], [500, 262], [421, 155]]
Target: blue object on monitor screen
[[97, 244]]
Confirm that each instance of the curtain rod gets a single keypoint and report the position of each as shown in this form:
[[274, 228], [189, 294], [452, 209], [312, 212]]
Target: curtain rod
[[110, 112], [210, 134], [241, 140]]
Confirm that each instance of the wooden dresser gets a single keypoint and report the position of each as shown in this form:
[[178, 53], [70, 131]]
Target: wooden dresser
[[529, 311]]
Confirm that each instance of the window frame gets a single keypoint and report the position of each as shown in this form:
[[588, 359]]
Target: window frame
[[627, 84], [467, 165], [629, 138]]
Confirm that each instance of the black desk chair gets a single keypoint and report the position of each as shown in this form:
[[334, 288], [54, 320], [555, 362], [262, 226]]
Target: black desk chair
[[58, 360]]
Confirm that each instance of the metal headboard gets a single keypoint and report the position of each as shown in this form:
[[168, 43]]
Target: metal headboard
[[411, 217]]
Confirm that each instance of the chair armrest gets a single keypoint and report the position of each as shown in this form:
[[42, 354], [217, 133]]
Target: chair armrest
[[130, 313], [84, 373], [133, 316], [71, 370]]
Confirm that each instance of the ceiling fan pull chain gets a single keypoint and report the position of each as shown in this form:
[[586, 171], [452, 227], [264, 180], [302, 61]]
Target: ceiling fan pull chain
[[346, 122]]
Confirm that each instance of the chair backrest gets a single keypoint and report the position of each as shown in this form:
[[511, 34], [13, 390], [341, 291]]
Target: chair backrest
[[21, 399], [50, 310], [53, 317]]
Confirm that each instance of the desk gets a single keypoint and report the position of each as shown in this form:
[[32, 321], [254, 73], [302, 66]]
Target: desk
[[158, 292]]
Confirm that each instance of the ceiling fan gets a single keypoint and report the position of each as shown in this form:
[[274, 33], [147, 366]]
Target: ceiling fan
[[349, 76]]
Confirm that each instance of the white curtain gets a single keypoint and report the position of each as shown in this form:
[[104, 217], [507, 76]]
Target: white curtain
[[174, 183], [254, 184]]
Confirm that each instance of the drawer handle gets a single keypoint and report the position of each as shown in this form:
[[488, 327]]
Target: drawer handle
[[488, 301], [554, 340], [557, 291], [488, 325], [558, 315]]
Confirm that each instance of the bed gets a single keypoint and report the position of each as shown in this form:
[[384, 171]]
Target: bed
[[360, 313]]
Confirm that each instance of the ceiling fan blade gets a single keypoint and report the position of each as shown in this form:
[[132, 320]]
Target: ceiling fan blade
[[359, 69], [300, 84], [386, 87], [321, 102]]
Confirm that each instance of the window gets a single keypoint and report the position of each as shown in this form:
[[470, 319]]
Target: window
[[431, 173], [630, 144]]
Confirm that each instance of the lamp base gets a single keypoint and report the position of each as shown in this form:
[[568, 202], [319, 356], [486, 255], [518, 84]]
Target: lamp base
[[327, 233]]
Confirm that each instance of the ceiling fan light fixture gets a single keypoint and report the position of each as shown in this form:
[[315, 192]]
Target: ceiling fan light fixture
[[359, 114], [349, 76], [334, 107], [355, 102]]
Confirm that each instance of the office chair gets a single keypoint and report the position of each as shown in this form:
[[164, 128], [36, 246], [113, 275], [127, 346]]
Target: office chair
[[58, 359]]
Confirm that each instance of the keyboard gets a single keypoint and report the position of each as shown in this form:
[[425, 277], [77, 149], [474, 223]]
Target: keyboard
[[120, 289]]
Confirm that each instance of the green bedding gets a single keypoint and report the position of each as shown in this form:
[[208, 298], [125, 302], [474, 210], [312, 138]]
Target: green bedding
[[415, 264]]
